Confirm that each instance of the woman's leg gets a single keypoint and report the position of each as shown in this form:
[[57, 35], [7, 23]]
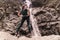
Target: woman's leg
[[18, 27], [28, 24]]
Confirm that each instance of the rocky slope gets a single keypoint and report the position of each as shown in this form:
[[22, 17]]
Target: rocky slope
[[48, 20], [48, 17]]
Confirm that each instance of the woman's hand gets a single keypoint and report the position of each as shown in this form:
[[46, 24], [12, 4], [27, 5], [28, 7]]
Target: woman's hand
[[28, 13], [19, 14]]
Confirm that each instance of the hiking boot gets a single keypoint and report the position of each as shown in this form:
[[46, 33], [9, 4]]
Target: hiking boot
[[29, 35], [16, 34]]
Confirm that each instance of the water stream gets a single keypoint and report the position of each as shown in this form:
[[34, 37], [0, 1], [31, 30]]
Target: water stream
[[33, 20]]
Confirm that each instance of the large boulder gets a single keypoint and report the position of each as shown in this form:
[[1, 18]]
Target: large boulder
[[38, 3]]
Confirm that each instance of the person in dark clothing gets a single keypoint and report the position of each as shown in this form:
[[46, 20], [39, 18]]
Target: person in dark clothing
[[25, 16]]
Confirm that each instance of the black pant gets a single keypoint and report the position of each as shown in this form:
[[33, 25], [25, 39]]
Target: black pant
[[22, 21]]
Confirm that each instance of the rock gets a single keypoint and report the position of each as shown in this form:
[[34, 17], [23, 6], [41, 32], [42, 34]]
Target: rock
[[39, 2], [51, 37], [6, 36], [47, 18]]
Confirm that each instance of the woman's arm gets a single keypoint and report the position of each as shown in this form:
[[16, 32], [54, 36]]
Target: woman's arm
[[19, 13], [28, 13]]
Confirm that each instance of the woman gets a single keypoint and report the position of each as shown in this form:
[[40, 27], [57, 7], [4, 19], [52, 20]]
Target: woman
[[25, 16]]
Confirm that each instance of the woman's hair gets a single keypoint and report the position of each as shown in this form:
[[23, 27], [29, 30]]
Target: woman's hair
[[23, 6]]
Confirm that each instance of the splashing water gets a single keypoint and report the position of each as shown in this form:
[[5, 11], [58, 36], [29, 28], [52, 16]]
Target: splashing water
[[33, 20], [28, 3]]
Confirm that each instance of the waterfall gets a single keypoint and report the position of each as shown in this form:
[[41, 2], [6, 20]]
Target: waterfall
[[33, 20]]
